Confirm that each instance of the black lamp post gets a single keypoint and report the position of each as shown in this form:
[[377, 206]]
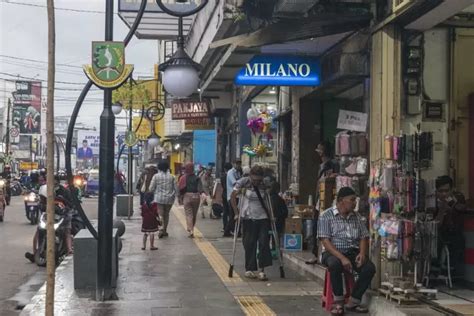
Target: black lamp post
[[180, 72]]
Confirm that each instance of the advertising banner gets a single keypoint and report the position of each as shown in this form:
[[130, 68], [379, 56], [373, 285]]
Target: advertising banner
[[198, 124], [26, 114], [87, 152]]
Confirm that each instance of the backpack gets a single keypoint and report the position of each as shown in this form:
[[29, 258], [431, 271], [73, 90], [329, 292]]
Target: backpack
[[192, 183]]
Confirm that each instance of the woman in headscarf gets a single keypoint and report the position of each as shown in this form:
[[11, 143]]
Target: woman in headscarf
[[190, 187]]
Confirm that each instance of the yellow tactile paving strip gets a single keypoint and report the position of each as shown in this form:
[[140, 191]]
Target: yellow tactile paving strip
[[254, 305], [251, 305]]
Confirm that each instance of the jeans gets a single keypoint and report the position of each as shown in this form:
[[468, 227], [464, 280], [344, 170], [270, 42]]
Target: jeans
[[366, 273], [253, 232]]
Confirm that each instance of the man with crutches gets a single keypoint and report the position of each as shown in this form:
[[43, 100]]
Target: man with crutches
[[256, 218]]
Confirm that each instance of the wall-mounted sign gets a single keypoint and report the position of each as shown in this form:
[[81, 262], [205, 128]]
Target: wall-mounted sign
[[187, 109], [108, 69], [198, 124], [352, 121], [276, 70], [27, 165]]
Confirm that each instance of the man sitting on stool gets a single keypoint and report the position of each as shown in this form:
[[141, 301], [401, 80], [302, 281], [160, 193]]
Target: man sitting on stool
[[345, 239]]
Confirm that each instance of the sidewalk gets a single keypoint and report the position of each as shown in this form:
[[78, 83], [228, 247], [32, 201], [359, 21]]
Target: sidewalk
[[187, 277]]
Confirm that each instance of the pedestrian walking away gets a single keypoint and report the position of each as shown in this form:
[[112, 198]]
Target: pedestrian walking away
[[190, 187], [255, 222], [345, 238], [150, 220], [207, 186], [163, 186]]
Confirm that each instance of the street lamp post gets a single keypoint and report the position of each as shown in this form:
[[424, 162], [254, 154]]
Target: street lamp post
[[106, 187], [180, 72]]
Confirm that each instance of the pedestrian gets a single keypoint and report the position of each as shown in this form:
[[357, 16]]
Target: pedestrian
[[327, 168], [190, 187], [255, 217], [150, 220], [163, 185], [207, 186], [140, 182], [145, 188], [280, 210], [234, 174], [345, 238], [225, 200]]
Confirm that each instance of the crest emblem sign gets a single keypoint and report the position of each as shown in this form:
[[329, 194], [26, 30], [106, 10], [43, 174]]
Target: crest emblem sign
[[108, 69]]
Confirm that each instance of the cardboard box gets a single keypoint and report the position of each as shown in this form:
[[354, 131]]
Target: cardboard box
[[293, 242], [294, 226]]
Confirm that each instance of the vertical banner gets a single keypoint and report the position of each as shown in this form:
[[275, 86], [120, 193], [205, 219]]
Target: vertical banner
[[26, 115]]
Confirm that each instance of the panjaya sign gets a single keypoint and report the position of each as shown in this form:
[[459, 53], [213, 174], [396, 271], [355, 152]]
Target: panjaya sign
[[182, 109], [268, 70]]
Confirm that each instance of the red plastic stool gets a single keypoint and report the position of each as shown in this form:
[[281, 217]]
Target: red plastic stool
[[327, 298]]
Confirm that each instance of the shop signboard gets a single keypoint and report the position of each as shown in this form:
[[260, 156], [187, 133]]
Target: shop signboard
[[352, 121], [189, 109], [26, 114], [277, 70], [198, 124], [293, 242], [27, 165]]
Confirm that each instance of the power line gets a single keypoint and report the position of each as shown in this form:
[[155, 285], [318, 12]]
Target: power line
[[36, 79], [56, 8], [38, 61]]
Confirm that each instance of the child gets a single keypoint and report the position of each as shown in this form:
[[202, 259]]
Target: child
[[150, 220]]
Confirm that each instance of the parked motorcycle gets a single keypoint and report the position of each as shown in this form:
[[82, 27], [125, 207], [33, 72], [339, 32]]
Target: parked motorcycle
[[32, 207], [16, 187], [61, 212], [2, 199]]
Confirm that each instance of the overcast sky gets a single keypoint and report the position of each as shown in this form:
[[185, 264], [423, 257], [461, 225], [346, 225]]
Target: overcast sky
[[24, 34]]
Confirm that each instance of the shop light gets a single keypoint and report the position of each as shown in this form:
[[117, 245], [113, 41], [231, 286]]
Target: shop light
[[273, 91], [154, 140], [176, 147]]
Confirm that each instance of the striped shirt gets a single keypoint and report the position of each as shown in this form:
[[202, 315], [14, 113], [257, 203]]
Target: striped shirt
[[344, 233], [164, 187]]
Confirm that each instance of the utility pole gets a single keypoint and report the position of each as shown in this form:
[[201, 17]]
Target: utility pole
[[104, 289], [50, 235], [7, 135]]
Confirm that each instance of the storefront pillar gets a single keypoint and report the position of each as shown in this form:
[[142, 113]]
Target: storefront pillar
[[385, 106]]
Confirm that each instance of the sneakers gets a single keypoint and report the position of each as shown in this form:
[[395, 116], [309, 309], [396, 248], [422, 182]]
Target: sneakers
[[250, 275], [190, 234], [262, 276]]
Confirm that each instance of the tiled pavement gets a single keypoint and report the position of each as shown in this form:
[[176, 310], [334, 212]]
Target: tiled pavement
[[186, 277]]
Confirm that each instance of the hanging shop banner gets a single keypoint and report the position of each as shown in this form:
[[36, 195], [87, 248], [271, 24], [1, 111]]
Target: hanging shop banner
[[276, 70], [352, 121], [108, 69], [26, 114], [144, 127], [189, 109], [198, 124]]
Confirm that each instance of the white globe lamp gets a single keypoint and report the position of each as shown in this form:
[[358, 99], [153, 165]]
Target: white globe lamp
[[153, 140], [117, 108]]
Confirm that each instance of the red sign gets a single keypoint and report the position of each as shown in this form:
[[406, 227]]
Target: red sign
[[187, 109]]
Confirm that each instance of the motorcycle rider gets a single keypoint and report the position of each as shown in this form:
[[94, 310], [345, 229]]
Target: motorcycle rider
[[65, 195], [7, 175]]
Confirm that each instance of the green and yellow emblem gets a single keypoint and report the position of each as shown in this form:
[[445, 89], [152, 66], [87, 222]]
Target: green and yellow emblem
[[108, 69]]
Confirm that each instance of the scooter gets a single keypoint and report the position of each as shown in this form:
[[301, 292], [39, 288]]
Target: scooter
[[32, 207]]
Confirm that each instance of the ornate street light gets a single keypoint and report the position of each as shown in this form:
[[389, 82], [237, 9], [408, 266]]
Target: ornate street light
[[117, 108], [180, 72], [154, 114]]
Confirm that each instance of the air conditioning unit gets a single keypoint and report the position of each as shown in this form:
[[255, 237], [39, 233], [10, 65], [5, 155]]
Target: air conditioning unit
[[398, 5]]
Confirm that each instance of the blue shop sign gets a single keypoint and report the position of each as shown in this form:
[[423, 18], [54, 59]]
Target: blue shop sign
[[277, 70]]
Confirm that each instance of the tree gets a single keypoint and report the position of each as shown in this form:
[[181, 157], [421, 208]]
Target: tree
[[50, 256]]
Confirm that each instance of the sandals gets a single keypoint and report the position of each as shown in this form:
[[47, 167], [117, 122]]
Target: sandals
[[153, 248], [250, 275], [358, 309], [337, 310]]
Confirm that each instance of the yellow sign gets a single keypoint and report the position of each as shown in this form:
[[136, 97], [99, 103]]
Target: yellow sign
[[26, 165], [144, 130]]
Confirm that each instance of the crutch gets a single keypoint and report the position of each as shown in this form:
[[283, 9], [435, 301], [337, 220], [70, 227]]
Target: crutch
[[236, 232], [275, 236]]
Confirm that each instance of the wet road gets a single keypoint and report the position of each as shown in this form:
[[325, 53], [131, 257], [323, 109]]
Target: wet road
[[18, 277]]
